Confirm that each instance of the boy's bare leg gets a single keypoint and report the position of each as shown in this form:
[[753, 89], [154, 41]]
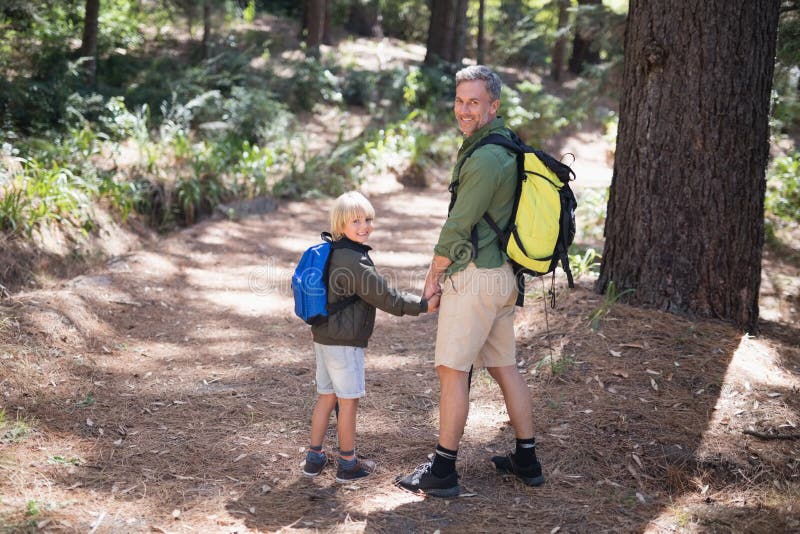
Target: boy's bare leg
[[321, 416], [346, 426]]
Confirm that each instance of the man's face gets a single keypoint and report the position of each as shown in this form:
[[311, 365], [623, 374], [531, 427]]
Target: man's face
[[473, 106]]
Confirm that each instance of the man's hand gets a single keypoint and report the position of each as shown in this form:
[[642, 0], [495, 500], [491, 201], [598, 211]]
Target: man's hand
[[439, 265], [433, 303]]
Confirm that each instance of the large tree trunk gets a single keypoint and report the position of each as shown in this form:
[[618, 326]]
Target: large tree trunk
[[89, 41], [583, 48], [560, 47], [685, 213], [447, 31]]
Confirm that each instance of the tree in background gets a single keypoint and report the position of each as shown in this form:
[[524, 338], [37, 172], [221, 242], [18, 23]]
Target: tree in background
[[560, 48], [481, 46], [314, 17], [88, 47], [584, 48], [447, 32], [685, 223], [204, 43], [363, 18]]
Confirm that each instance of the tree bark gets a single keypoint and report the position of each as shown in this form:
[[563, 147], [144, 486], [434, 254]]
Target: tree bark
[[447, 31], [684, 227], [89, 42], [583, 47], [364, 18], [560, 47], [481, 53], [314, 15], [206, 28]]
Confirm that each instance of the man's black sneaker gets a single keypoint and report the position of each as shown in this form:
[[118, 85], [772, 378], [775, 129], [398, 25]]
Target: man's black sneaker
[[530, 475], [314, 464], [423, 481], [363, 468]]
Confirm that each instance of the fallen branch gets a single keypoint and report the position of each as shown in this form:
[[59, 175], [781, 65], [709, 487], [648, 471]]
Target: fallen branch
[[764, 435]]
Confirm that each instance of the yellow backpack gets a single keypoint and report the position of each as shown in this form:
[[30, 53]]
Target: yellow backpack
[[542, 224]]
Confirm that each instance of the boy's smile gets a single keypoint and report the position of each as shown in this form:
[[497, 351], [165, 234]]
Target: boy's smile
[[358, 229]]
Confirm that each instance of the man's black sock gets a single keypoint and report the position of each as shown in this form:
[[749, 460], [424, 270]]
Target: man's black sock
[[525, 454], [444, 461]]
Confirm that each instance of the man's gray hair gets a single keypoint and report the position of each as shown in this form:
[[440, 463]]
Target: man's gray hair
[[480, 72]]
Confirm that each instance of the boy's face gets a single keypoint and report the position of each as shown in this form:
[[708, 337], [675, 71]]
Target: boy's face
[[473, 106], [358, 228]]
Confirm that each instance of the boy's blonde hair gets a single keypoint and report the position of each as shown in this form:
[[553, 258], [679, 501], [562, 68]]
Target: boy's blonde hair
[[347, 207]]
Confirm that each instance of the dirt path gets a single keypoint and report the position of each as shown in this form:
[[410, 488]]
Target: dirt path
[[170, 391]]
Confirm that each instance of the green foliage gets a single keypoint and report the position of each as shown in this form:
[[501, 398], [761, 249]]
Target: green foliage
[[610, 298], [63, 460], [32, 508], [249, 12], [430, 89], [118, 25], [782, 202], [591, 213], [558, 366], [783, 191], [12, 431], [581, 264], [405, 19], [537, 115], [785, 99], [311, 83], [525, 35]]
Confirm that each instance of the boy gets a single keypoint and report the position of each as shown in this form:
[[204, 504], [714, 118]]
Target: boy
[[339, 342]]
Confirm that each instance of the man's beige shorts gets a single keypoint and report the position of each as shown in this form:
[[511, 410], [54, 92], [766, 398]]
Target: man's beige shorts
[[476, 319]]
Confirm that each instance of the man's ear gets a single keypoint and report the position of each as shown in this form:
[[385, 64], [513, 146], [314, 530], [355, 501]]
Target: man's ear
[[494, 106]]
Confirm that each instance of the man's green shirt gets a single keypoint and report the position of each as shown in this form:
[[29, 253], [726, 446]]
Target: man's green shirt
[[486, 184]]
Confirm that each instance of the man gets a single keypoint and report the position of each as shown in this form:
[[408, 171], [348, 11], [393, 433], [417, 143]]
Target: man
[[478, 288]]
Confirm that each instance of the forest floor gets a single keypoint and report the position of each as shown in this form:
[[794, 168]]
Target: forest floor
[[169, 389]]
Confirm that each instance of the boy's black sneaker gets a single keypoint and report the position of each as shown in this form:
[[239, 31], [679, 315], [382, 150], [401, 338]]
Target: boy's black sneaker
[[530, 475], [314, 464], [423, 481], [363, 468]]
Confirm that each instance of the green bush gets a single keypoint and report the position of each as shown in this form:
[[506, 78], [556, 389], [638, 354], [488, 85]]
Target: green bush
[[783, 188], [311, 83], [533, 113]]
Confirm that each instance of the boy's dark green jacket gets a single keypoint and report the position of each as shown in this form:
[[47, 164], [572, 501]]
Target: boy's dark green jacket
[[351, 271]]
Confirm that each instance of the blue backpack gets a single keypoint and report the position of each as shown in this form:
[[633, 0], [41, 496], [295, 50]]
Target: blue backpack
[[310, 284]]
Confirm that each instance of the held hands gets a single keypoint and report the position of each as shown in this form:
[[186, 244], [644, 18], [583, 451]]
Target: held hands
[[433, 289], [433, 293]]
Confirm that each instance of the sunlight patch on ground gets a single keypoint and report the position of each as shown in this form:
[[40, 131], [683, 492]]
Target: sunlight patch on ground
[[382, 361], [753, 370], [484, 419], [419, 205], [755, 361], [386, 501], [247, 303], [222, 234], [292, 244], [401, 260], [263, 279], [150, 263]]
